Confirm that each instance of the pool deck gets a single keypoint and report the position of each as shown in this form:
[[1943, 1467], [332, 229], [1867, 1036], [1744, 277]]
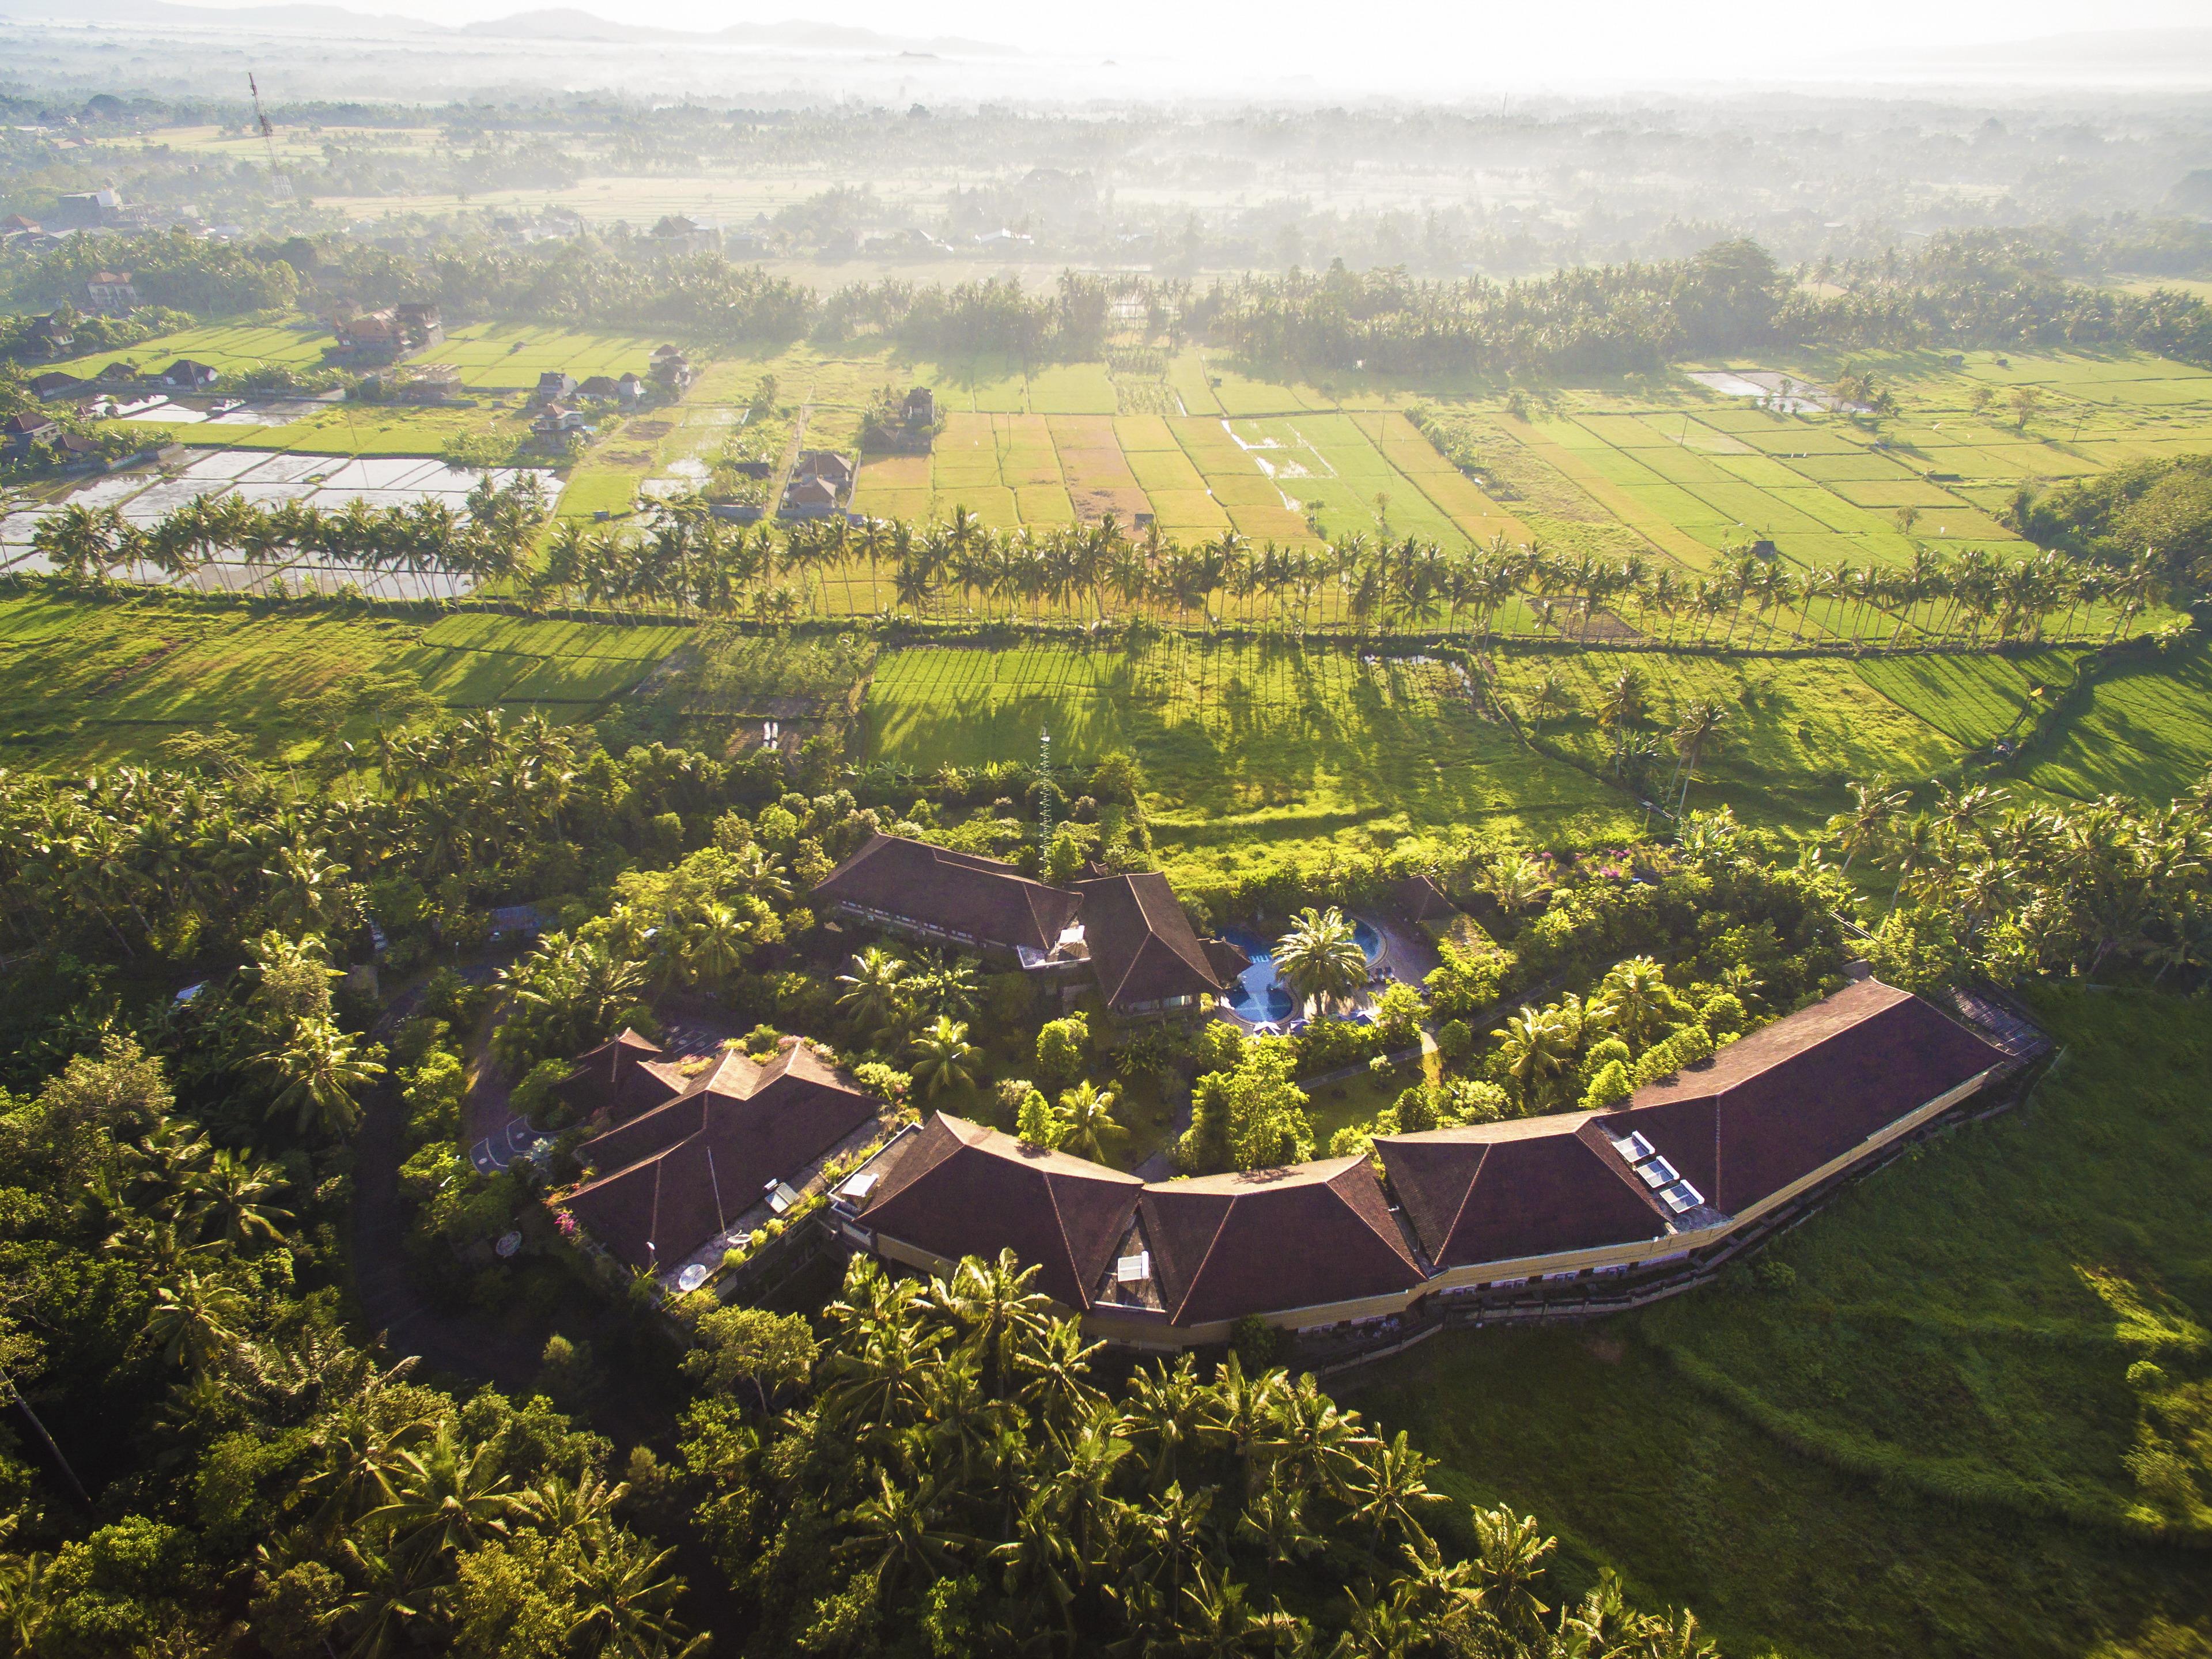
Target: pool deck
[[1407, 954]]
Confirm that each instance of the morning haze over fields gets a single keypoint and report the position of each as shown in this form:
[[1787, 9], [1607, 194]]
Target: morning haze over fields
[[981, 831]]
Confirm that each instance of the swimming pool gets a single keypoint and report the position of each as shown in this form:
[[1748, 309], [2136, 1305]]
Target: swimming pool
[[1260, 994]]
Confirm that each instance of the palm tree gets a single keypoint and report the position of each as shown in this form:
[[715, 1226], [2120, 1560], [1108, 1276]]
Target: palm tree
[[195, 1319], [1874, 807], [1390, 1496], [996, 1306], [1090, 1127], [944, 1058], [448, 1497], [229, 1201], [1518, 884], [625, 1600], [317, 1070], [875, 993], [1700, 728], [1539, 1047], [1509, 1560], [1320, 957]]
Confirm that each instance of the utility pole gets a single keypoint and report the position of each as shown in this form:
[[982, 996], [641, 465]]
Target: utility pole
[[280, 188], [1045, 795]]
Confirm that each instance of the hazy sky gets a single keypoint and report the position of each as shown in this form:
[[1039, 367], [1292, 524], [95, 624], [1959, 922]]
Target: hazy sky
[[1427, 43]]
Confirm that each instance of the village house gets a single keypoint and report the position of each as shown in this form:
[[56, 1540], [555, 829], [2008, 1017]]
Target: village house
[[77, 454], [680, 235], [553, 385], [112, 293], [20, 432], [51, 336], [388, 335], [54, 384], [186, 375], [1516, 1214], [826, 465], [558, 424], [670, 370]]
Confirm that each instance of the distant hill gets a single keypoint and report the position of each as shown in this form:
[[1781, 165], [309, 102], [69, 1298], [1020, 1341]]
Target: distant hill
[[551, 23]]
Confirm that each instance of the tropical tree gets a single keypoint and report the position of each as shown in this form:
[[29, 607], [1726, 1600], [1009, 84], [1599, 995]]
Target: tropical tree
[[944, 1058], [1320, 958]]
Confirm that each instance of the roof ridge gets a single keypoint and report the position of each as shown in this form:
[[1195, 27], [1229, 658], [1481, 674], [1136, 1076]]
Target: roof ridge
[[1197, 1273], [1466, 1195], [1357, 1166], [1066, 1244]]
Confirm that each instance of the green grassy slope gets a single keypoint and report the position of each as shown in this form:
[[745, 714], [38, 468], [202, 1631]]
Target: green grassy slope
[[1972, 1418]]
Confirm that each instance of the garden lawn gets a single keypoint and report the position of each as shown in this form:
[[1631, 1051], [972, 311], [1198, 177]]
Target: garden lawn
[[1866, 1449]]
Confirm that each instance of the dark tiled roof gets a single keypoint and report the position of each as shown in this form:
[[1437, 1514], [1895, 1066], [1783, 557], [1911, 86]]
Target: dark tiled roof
[[960, 1189], [980, 898], [676, 1174], [1226, 959], [1268, 1240], [1806, 1090], [1141, 943], [618, 1078], [1538, 1186], [1422, 900]]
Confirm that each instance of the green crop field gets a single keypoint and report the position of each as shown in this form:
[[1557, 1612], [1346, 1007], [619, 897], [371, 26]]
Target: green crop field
[[232, 348], [2145, 730], [1255, 754], [1922, 1429], [95, 683], [1971, 700]]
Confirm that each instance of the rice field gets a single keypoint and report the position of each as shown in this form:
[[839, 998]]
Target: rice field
[[88, 682], [1256, 755], [2144, 729]]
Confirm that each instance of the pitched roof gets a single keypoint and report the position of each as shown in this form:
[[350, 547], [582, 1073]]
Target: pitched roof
[[22, 425], [675, 1176], [620, 1077], [1141, 943], [1797, 1094], [1265, 1240], [961, 1189], [979, 898], [1421, 899], [1526, 1187]]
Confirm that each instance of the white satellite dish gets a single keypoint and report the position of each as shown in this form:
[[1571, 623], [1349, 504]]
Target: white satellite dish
[[691, 1278]]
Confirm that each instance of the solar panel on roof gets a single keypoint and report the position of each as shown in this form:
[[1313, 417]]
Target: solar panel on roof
[[1658, 1173], [1678, 1198], [1639, 1148]]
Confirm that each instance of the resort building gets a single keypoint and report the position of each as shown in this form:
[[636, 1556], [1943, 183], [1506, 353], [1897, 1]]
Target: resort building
[[1526, 1212], [1127, 932], [680, 1160]]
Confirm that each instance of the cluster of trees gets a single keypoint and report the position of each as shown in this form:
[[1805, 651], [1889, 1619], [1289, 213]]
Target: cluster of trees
[[691, 562], [494, 539], [2015, 889], [174, 270], [1963, 288], [2157, 510], [946, 1476], [217, 1459]]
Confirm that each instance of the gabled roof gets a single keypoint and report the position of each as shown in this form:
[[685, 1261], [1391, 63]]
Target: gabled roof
[[673, 1176], [1791, 1097], [17, 426], [1141, 944], [1422, 900], [1494, 1192], [960, 1189], [955, 892], [1265, 1240], [620, 1078]]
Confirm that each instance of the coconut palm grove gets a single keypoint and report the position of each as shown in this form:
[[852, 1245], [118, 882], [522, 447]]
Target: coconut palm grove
[[837, 840]]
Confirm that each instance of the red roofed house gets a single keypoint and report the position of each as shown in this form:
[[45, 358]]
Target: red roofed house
[[1129, 929], [1691, 1160], [913, 887], [683, 1159], [955, 1188], [1314, 1244], [1541, 1200]]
